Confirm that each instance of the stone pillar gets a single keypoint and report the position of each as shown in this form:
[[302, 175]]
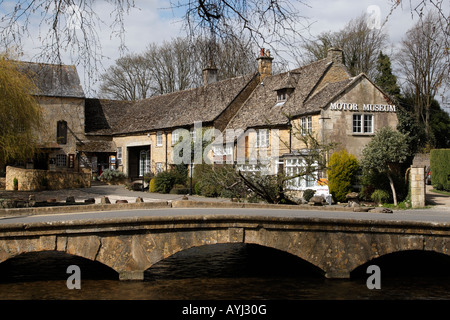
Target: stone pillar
[[417, 178]]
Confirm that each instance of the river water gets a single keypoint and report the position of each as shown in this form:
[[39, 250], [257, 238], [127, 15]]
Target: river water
[[223, 272]]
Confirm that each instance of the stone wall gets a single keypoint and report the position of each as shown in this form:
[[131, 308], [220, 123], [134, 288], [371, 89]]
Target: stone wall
[[34, 180]]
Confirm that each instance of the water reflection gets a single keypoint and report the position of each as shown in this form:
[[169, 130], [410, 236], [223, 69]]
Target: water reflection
[[228, 272]]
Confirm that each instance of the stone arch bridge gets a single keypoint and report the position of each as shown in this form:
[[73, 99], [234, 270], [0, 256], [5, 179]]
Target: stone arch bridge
[[132, 245]]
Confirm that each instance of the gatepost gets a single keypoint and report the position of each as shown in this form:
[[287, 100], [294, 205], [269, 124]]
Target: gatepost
[[417, 186]]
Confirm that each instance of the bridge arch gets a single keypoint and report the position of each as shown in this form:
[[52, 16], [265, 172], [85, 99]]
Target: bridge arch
[[51, 265], [242, 258], [408, 262]]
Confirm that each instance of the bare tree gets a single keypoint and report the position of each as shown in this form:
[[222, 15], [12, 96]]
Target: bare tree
[[175, 65], [62, 27], [360, 44], [423, 61], [129, 79]]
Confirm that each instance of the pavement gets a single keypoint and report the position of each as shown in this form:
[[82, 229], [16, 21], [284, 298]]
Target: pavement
[[437, 200], [99, 190]]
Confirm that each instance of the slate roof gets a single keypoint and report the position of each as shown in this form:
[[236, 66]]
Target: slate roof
[[180, 109], [102, 116], [53, 80], [262, 108]]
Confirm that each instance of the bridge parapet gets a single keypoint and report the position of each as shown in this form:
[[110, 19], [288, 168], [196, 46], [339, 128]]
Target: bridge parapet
[[132, 245]]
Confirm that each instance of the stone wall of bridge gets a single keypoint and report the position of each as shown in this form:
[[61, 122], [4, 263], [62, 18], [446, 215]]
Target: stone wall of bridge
[[335, 247]]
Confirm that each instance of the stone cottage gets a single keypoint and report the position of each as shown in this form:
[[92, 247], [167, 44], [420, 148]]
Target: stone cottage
[[320, 99]]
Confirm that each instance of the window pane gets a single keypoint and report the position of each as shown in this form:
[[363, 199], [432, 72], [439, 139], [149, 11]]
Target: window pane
[[309, 124], [368, 123], [356, 123]]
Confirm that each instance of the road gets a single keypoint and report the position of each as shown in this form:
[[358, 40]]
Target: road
[[426, 215]]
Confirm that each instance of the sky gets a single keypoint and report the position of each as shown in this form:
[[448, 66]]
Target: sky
[[151, 21]]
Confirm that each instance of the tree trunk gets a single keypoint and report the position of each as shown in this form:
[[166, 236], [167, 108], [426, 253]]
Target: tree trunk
[[394, 194]]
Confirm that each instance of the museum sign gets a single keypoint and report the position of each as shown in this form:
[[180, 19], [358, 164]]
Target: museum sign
[[344, 106]]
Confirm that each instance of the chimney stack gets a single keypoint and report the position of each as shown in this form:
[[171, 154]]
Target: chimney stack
[[336, 55], [264, 63], [209, 74]]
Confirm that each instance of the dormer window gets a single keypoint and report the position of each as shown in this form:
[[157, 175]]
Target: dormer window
[[282, 95]]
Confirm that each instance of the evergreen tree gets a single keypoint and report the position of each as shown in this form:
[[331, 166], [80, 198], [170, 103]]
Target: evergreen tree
[[385, 78]]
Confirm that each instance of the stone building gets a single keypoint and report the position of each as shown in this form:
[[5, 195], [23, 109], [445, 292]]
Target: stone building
[[61, 97], [320, 99], [261, 110]]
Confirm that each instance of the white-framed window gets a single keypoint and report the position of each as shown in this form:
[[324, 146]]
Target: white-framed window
[[175, 137], [144, 162], [193, 134], [368, 123], [262, 138], [119, 156], [159, 139], [223, 150], [293, 167], [362, 123], [61, 160], [249, 168], [159, 167], [306, 125]]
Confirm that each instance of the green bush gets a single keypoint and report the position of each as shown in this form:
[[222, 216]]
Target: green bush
[[308, 194], [380, 196], [440, 169], [341, 174], [112, 175], [164, 181]]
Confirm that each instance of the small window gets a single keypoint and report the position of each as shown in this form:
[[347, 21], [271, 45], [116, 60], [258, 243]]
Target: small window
[[61, 160], [281, 95], [119, 156], [193, 134], [175, 137], [159, 139], [306, 125], [159, 167], [61, 132], [262, 138]]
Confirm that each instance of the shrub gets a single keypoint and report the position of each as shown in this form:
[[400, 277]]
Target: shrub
[[112, 175], [341, 173], [164, 181], [308, 194], [151, 185], [380, 196], [440, 169]]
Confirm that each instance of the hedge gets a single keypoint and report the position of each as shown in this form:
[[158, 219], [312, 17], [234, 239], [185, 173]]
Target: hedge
[[440, 169]]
